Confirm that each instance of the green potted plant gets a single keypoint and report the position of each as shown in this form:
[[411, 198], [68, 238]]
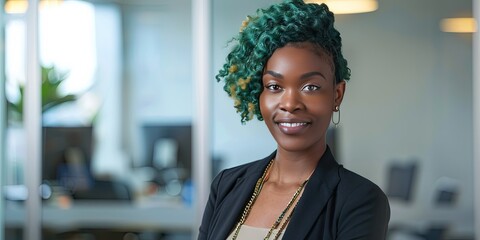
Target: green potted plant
[[51, 97]]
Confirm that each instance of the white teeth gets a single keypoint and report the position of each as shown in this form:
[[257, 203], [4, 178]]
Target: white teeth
[[292, 124]]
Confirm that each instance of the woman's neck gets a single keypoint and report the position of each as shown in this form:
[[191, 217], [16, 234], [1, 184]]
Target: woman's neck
[[294, 167]]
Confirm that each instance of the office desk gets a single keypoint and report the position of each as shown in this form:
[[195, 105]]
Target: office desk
[[460, 224], [167, 217]]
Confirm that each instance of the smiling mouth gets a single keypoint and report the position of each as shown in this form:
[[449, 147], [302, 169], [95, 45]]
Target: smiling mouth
[[285, 124], [291, 128]]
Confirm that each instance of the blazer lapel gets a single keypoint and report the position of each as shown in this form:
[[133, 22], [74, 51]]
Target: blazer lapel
[[317, 192], [232, 206]]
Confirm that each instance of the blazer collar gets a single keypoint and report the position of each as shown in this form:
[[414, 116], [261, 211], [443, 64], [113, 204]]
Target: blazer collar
[[316, 194], [318, 191], [241, 193]]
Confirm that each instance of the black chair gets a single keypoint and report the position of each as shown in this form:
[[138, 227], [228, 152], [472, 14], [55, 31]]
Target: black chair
[[401, 184], [401, 181]]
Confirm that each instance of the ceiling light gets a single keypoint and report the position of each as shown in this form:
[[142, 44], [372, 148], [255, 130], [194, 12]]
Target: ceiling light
[[458, 25], [348, 6], [21, 6], [16, 6], [50, 3]]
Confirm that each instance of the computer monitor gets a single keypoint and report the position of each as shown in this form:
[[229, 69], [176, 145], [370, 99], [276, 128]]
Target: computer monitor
[[61, 142], [168, 146]]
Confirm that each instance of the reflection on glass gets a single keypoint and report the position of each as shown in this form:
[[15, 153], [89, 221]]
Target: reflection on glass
[[104, 69], [15, 191]]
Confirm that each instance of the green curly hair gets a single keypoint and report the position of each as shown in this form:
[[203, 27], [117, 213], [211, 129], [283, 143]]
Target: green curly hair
[[292, 21]]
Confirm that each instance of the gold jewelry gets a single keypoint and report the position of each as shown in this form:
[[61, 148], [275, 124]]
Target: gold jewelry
[[279, 220], [256, 192]]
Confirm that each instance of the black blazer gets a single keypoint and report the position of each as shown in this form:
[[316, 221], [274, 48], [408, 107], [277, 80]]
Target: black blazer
[[336, 204]]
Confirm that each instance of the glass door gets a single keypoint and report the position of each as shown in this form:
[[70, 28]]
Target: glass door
[[116, 120]]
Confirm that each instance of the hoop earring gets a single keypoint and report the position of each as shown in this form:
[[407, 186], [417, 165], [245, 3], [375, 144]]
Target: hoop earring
[[337, 109]]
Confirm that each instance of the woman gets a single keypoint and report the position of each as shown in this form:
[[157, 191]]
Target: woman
[[288, 70]]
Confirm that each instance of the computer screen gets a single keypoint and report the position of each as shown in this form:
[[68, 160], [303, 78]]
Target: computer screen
[[168, 146], [62, 143]]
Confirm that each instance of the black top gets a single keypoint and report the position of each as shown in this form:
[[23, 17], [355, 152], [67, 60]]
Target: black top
[[336, 203]]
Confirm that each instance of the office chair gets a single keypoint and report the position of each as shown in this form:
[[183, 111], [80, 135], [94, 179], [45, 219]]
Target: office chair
[[401, 181]]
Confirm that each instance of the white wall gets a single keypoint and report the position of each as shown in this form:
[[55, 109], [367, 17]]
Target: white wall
[[476, 118], [109, 157], [158, 65], [409, 97]]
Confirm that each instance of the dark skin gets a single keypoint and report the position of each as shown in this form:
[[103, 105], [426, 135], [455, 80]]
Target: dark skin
[[297, 103]]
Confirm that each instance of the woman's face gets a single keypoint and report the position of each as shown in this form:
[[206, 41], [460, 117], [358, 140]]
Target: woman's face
[[299, 96]]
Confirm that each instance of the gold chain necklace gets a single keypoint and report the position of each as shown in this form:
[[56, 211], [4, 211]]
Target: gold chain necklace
[[256, 192]]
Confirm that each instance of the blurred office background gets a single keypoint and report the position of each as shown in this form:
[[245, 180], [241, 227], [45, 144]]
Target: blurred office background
[[119, 115]]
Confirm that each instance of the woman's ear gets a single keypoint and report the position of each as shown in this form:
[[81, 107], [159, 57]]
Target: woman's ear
[[339, 92]]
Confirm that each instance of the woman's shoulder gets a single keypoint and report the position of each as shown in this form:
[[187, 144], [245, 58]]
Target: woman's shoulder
[[362, 207], [352, 183]]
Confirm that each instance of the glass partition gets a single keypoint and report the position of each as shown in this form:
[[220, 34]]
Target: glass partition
[[116, 120], [15, 192]]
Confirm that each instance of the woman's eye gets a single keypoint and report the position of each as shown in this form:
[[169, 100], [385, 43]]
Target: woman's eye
[[311, 88], [273, 87]]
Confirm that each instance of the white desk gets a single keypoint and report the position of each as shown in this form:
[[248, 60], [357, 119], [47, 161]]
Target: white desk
[[108, 215], [459, 223]]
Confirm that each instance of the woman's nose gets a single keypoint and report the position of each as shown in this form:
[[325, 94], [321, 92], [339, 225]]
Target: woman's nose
[[291, 101]]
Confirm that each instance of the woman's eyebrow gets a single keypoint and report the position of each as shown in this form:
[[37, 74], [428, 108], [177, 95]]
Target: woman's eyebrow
[[311, 74], [274, 74], [303, 77]]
